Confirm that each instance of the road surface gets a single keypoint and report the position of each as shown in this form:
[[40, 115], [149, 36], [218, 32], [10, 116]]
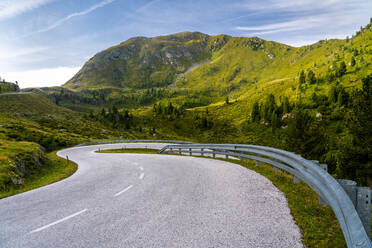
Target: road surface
[[146, 200]]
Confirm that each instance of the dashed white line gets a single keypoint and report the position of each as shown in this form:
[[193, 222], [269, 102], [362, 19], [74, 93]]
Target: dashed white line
[[141, 168], [142, 175], [135, 163], [58, 221], [124, 190]]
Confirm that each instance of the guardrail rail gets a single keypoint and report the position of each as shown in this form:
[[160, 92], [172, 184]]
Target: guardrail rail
[[351, 204]]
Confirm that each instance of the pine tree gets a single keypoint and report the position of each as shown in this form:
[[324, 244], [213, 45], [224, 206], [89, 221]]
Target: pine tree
[[311, 77], [302, 77], [255, 115], [285, 105], [355, 157], [342, 69], [103, 113], [269, 107], [352, 62], [274, 121]]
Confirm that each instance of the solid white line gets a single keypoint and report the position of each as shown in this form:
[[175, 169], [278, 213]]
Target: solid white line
[[141, 168], [142, 175], [58, 221], [126, 189]]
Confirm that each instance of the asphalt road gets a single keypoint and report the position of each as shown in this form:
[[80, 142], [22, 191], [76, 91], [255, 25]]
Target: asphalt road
[[145, 200]]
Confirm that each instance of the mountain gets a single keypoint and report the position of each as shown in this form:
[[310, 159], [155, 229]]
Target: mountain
[[214, 66], [142, 62]]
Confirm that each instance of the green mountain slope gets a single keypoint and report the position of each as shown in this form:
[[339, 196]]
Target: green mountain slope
[[142, 62], [210, 68]]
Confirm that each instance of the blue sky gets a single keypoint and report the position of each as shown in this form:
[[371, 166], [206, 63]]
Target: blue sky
[[44, 42]]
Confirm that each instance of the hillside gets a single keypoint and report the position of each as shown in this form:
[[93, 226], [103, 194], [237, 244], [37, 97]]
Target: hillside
[[196, 69], [6, 87], [142, 62], [32, 125]]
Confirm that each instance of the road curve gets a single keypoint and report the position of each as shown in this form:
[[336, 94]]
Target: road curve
[[146, 200]]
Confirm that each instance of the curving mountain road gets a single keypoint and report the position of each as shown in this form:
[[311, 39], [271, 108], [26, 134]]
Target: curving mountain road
[[145, 200]]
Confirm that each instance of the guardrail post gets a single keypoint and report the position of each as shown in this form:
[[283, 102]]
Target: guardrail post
[[350, 188], [321, 201], [275, 168], [296, 179], [227, 156], [324, 167], [241, 157], [179, 151], [364, 207], [213, 154], [258, 162], [201, 152], [171, 150], [190, 150]]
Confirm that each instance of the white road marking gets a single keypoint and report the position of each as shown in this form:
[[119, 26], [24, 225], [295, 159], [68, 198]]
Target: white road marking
[[124, 190], [142, 175], [58, 221], [141, 168]]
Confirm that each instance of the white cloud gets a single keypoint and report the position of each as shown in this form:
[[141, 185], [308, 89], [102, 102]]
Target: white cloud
[[42, 77], [10, 8], [81, 13]]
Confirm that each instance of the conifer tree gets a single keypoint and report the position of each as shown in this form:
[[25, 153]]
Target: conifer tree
[[311, 77], [255, 115], [352, 62], [302, 77]]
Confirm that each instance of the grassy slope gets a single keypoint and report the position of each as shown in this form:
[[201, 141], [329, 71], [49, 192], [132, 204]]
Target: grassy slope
[[144, 62], [277, 76], [262, 76], [30, 120], [33, 117], [54, 170]]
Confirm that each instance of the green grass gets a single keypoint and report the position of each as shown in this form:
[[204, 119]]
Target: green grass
[[56, 170], [130, 150]]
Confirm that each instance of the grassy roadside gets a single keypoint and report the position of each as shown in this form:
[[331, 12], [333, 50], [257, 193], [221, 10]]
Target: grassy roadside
[[56, 170], [318, 224]]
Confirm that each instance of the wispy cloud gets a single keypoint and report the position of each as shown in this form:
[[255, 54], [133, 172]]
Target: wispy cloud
[[16, 52], [81, 13], [298, 24], [290, 5], [11, 8]]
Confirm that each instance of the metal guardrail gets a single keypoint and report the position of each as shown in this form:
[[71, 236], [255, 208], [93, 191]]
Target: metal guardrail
[[353, 213], [130, 141]]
